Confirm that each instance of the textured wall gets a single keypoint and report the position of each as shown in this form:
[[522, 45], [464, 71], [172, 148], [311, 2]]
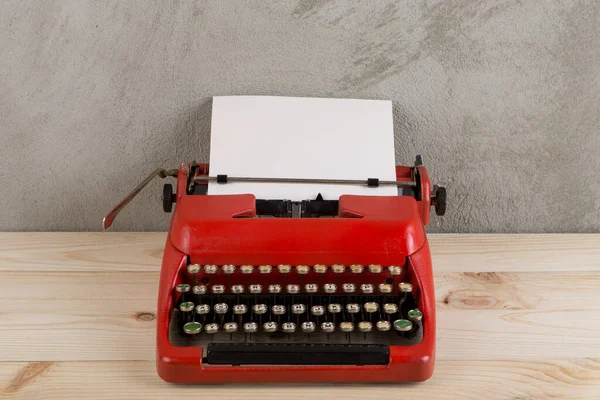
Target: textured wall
[[501, 98]]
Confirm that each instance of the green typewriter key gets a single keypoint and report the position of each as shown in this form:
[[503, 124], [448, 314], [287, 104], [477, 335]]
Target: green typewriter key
[[394, 270], [211, 269], [346, 326], [186, 308], [230, 327], [338, 268], [328, 327], [270, 327], [308, 327], [228, 269], [415, 315], [192, 328], [383, 326], [211, 328], [348, 287], [182, 288], [288, 327], [402, 325]]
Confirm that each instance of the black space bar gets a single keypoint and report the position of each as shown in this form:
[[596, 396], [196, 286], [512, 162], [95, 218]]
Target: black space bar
[[296, 354]]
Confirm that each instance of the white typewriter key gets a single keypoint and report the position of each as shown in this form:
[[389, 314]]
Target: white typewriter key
[[302, 269], [349, 287], [221, 308], [265, 269], [385, 288], [250, 327], [311, 288], [405, 287], [317, 310], [288, 327], [356, 268], [217, 289], [366, 288], [308, 327], [338, 268], [346, 327], [328, 327], [230, 327], [278, 309], [298, 308], [237, 289], [202, 309], [371, 307], [402, 325], [284, 268], [199, 289], [270, 326], [186, 306], [259, 308], [192, 328], [353, 308], [330, 287], [320, 268], [255, 289], [211, 269], [365, 326], [375, 268], [193, 268], [228, 269], [334, 308], [182, 288], [239, 309], [390, 308], [415, 315], [274, 288], [394, 270], [211, 328], [292, 289], [383, 326], [246, 269]]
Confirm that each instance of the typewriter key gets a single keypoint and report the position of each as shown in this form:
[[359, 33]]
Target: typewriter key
[[288, 327], [250, 327], [320, 268], [385, 288], [240, 309], [265, 269], [278, 309], [221, 308], [292, 289], [405, 287], [349, 287], [211, 328], [259, 309], [255, 289], [383, 326], [352, 308], [375, 268], [284, 268], [415, 315], [230, 327], [217, 289], [402, 325], [338, 268], [237, 289], [246, 269], [308, 327], [390, 308], [356, 268], [311, 288], [365, 326], [371, 307], [193, 268], [328, 327], [274, 288], [228, 269], [317, 310], [192, 328], [199, 289], [182, 288], [334, 308], [346, 327], [394, 270], [202, 309], [270, 326], [210, 269], [186, 306], [302, 269], [366, 288], [298, 308], [330, 288]]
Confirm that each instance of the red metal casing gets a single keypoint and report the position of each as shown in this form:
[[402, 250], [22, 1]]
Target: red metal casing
[[371, 230]]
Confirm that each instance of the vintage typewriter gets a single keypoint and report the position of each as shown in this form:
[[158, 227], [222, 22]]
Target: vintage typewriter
[[322, 290]]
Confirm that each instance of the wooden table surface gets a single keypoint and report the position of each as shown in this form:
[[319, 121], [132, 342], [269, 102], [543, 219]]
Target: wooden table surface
[[518, 318]]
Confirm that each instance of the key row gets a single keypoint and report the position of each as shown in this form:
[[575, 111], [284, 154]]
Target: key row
[[286, 268], [329, 288]]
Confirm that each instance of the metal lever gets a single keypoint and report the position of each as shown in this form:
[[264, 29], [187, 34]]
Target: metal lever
[[163, 173]]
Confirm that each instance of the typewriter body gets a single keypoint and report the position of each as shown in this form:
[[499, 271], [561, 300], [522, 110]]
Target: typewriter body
[[267, 290]]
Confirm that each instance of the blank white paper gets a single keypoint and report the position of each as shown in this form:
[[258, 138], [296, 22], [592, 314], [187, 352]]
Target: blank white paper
[[289, 137]]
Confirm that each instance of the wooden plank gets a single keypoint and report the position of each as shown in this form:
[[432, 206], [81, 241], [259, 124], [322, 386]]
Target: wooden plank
[[94, 251], [574, 378]]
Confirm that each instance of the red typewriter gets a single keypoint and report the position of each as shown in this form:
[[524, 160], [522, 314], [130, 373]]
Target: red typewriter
[[266, 290]]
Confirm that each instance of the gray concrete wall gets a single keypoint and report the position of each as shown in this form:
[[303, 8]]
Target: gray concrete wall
[[501, 97]]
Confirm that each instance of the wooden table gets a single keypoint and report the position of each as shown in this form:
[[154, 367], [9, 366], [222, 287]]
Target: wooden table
[[518, 318]]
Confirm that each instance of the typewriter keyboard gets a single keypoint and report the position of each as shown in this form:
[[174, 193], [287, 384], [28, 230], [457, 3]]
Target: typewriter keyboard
[[316, 305]]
